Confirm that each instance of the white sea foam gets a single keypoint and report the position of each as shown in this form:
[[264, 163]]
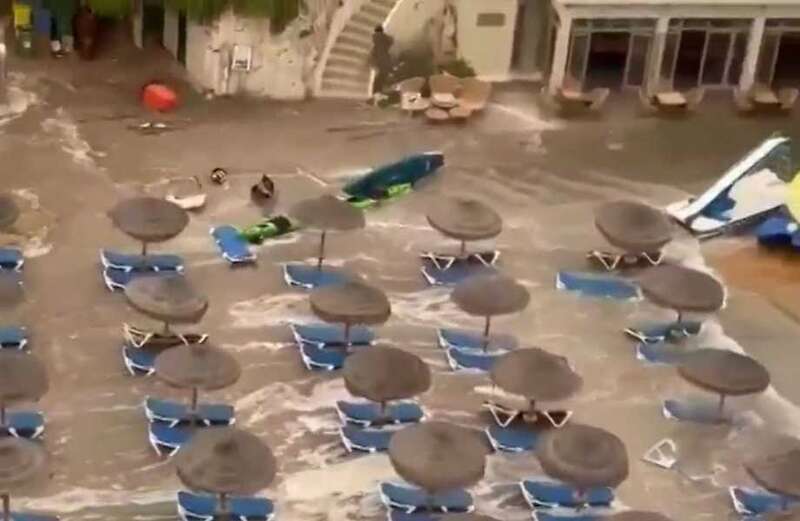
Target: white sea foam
[[270, 310]]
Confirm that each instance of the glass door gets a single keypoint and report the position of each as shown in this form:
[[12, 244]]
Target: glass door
[[578, 60], [715, 58], [638, 53]]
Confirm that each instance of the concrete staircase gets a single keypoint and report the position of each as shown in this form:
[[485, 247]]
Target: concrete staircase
[[346, 73]]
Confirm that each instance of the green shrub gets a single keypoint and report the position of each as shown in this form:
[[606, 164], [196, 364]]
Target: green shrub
[[458, 67]]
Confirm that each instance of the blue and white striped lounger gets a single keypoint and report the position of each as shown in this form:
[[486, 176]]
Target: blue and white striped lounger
[[135, 262], [167, 440], [196, 507], [356, 439], [543, 493], [331, 334], [309, 277], [368, 413], [473, 340], [13, 337], [11, 259], [594, 285], [661, 353], [565, 515], [755, 501], [512, 439], [176, 413], [695, 412], [25, 424], [412, 499], [659, 332], [455, 273], [471, 360], [139, 361], [233, 247]]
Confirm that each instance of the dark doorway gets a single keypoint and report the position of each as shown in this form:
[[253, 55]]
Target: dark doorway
[[153, 22], [690, 59], [608, 53], [787, 65], [182, 37], [516, 51]]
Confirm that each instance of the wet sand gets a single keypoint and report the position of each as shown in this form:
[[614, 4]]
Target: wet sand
[[543, 175]]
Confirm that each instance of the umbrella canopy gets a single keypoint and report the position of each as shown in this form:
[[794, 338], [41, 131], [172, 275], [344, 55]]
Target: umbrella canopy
[[637, 515], [20, 461], [465, 219], [9, 211], [23, 377], [328, 213], [169, 298], [583, 456], [352, 302], [632, 226], [226, 460], [778, 472], [490, 295], [197, 366], [149, 219], [11, 292], [725, 372], [682, 289], [535, 374], [438, 456], [382, 374]]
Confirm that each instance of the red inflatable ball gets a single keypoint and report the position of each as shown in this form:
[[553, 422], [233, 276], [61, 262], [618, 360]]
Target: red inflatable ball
[[159, 98]]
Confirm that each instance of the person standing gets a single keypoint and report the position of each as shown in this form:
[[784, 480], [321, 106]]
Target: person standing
[[381, 58]]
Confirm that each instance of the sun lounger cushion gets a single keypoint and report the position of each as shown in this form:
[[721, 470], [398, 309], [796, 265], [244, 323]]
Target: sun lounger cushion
[[460, 360], [117, 279], [233, 247], [13, 337], [317, 358], [11, 259], [444, 261], [400, 515], [365, 440], [194, 507], [25, 424], [139, 361], [552, 494], [540, 515], [331, 335], [512, 439], [593, 285], [135, 262], [138, 337], [662, 353], [754, 502], [368, 413], [457, 272], [309, 277], [175, 413], [778, 230], [695, 412], [166, 440], [472, 340], [660, 331], [410, 499]]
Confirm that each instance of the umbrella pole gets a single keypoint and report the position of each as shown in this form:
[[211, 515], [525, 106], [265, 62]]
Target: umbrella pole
[[463, 251], [144, 248], [222, 508], [321, 251], [721, 405], [486, 327], [166, 329], [193, 407], [2, 414], [6, 507], [346, 336]]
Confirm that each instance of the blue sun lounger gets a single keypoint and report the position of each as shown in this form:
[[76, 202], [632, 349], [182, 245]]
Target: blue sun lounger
[[175, 413], [695, 412], [443, 261], [458, 271], [309, 277], [13, 337], [569, 515], [25, 424], [659, 332], [594, 285], [116, 280], [356, 439], [411, 499], [511, 439], [366, 414], [755, 502], [135, 262], [543, 493], [470, 360], [11, 259], [776, 231], [317, 358], [473, 340], [139, 361], [503, 416], [331, 335], [662, 353], [167, 440], [233, 247], [197, 507]]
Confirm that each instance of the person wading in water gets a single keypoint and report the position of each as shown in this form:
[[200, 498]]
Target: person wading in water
[[380, 59]]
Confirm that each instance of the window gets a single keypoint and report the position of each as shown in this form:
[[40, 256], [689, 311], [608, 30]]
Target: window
[[491, 19]]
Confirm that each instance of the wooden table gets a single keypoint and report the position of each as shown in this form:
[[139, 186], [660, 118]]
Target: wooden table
[[671, 99]]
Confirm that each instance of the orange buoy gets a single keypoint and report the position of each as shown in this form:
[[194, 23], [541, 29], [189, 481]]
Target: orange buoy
[[159, 97]]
